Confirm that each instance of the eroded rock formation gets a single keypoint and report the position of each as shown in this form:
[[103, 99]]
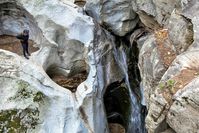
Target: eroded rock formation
[[98, 51], [169, 68], [57, 41], [116, 15], [70, 43]]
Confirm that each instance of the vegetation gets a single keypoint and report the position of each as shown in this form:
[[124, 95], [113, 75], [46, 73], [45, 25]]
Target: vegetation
[[170, 83], [161, 86], [18, 121], [39, 97], [24, 92], [167, 85]]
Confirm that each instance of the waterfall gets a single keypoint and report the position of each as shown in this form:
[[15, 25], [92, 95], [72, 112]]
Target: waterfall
[[134, 123]]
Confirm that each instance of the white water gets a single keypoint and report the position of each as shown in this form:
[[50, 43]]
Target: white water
[[135, 116]]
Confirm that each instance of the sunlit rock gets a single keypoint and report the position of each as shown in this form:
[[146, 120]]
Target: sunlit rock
[[30, 101], [169, 94], [70, 44], [117, 15]]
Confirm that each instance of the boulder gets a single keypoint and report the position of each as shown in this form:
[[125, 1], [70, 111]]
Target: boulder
[[189, 10], [156, 55], [163, 86], [180, 31], [30, 101], [159, 10], [116, 15], [183, 114], [177, 95], [170, 91]]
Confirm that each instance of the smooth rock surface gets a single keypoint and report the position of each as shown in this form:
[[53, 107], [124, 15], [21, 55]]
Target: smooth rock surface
[[31, 99], [70, 43], [116, 15], [66, 44]]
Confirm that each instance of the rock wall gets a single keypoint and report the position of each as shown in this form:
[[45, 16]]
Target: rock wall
[[71, 42], [168, 65]]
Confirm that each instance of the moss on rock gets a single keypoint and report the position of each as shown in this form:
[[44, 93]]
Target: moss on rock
[[38, 97], [25, 91], [26, 115], [18, 121]]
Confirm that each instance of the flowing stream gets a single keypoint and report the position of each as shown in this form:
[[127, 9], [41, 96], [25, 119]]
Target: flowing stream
[[134, 123]]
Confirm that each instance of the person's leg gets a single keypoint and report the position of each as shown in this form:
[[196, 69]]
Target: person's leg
[[27, 50], [24, 51]]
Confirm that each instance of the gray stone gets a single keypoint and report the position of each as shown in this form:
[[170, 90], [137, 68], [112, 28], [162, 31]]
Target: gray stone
[[117, 15], [151, 66], [183, 92], [189, 10], [17, 19], [160, 10], [183, 114], [180, 32], [185, 99], [70, 43]]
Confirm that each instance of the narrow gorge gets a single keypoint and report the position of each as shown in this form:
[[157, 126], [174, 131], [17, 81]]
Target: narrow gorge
[[100, 66]]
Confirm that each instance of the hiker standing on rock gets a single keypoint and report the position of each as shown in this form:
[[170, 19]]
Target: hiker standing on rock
[[24, 42]]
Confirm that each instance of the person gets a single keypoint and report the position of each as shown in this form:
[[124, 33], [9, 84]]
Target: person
[[24, 42]]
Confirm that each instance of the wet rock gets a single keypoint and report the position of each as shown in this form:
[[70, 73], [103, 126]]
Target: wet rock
[[117, 103], [111, 71]]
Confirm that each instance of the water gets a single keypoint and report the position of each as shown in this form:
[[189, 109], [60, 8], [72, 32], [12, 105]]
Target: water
[[134, 124]]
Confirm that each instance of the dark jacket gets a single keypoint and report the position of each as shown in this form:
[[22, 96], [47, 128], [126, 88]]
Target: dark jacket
[[23, 38]]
